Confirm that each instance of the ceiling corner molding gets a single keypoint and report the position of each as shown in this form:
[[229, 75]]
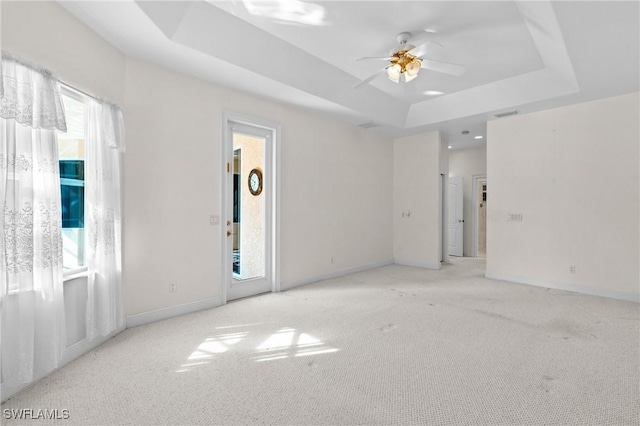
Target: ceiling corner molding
[[167, 16], [542, 23]]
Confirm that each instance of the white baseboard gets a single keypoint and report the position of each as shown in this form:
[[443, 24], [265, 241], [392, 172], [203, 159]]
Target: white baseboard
[[71, 353], [424, 265], [336, 274], [611, 294], [8, 391], [172, 311], [83, 346], [80, 348]]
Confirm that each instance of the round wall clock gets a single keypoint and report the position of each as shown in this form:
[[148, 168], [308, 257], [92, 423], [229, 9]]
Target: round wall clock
[[255, 181]]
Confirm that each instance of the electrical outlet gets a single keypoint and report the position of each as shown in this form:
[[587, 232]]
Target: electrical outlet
[[572, 269], [173, 287]]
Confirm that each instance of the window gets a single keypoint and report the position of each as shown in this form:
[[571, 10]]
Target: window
[[71, 153]]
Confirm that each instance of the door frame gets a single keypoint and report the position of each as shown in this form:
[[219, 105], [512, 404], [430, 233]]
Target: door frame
[[273, 185], [460, 221], [444, 226], [474, 218]]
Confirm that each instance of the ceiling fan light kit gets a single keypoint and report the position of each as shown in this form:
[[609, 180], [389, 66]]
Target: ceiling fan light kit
[[406, 60], [403, 64]]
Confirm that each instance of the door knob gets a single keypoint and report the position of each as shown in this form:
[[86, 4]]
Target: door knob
[[229, 233]]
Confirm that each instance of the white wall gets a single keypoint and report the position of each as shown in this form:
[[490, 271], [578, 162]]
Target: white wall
[[337, 196], [336, 189], [573, 174], [416, 206], [44, 33], [468, 163]]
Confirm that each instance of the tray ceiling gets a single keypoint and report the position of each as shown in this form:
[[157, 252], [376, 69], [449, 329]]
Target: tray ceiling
[[518, 55]]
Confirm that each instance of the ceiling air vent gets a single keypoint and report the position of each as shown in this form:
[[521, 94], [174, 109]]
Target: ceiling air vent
[[367, 125], [506, 114]]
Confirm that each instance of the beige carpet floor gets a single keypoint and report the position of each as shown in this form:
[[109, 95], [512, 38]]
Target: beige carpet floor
[[395, 345]]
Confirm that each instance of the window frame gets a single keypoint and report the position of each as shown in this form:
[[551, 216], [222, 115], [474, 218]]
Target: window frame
[[78, 96]]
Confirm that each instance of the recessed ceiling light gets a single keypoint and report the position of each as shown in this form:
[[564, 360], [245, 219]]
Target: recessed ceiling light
[[450, 147], [478, 137], [432, 93]]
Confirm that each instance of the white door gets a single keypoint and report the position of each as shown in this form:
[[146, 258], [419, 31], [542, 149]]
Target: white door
[[456, 220], [248, 216]]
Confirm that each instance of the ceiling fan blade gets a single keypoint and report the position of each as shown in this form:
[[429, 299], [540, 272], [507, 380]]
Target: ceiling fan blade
[[443, 67], [421, 49], [371, 77], [375, 58], [418, 35]]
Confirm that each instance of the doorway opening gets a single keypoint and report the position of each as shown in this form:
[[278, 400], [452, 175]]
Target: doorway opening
[[443, 220], [480, 216], [250, 207], [250, 199]]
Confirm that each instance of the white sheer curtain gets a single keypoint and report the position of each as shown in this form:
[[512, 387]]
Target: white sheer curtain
[[31, 298], [104, 143]]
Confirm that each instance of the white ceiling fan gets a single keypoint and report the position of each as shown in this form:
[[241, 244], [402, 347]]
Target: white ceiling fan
[[406, 60]]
